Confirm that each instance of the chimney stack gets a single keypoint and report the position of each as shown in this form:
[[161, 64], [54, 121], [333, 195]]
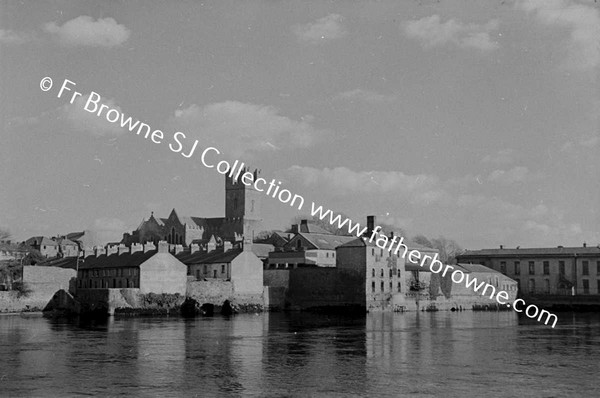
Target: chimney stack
[[370, 225], [227, 246], [136, 247], [501, 247], [211, 245], [99, 251], [294, 228], [247, 244], [303, 226], [122, 249], [149, 246], [111, 249], [584, 244], [163, 246], [194, 247]]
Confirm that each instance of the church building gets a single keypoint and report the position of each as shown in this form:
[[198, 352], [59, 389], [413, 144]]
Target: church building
[[242, 220]]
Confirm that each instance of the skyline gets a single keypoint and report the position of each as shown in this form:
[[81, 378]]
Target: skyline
[[478, 122]]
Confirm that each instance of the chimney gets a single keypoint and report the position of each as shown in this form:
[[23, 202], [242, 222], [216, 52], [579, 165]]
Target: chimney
[[163, 246], [501, 247], [294, 228], [227, 246], [122, 249], [136, 247], [149, 246], [370, 225], [177, 249], [99, 251], [391, 235], [112, 249], [584, 244], [303, 226], [211, 245], [88, 252], [194, 247], [247, 244]]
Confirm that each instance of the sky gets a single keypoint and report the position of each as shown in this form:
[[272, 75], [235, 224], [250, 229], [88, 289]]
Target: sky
[[476, 121]]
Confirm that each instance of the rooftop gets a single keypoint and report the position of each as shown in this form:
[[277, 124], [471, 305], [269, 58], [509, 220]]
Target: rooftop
[[556, 251]]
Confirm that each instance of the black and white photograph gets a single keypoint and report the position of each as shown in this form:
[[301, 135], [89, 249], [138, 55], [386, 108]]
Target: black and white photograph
[[320, 198]]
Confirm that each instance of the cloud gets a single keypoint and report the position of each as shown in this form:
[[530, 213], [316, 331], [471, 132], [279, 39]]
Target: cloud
[[323, 30], [582, 20], [503, 156], [84, 31], [82, 120], [8, 36], [507, 177], [242, 128], [432, 32], [368, 96], [343, 181]]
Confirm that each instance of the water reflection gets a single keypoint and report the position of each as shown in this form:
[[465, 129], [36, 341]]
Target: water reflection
[[421, 354]]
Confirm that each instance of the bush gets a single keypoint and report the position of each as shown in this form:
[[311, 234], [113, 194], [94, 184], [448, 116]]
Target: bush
[[22, 289]]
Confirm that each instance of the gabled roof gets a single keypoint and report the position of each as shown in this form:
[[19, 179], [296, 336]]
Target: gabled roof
[[556, 251], [325, 241], [215, 256], [116, 260], [41, 240]]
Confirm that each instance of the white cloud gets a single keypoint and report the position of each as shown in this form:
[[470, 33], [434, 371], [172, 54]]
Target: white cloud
[[84, 31], [241, 128], [503, 156], [342, 181], [432, 32], [582, 20], [82, 120], [368, 96], [322, 30], [507, 177]]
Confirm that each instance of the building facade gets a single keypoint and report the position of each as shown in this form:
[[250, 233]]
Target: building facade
[[544, 271]]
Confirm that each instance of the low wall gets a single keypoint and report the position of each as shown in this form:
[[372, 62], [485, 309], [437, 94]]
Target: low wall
[[41, 283], [216, 292]]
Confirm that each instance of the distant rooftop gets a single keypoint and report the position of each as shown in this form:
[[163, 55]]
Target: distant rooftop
[[543, 251]]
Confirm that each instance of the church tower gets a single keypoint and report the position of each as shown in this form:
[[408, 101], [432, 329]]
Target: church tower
[[243, 205]]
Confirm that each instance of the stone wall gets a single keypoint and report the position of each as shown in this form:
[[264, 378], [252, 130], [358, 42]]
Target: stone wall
[[217, 291], [41, 283]]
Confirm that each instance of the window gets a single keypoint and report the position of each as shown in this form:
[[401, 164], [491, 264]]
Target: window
[[382, 287], [598, 271], [205, 269], [517, 268], [372, 252], [391, 273], [391, 286], [382, 273], [373, 286], [333, 255], [561, 267], [586, 286], [197, 274], [531, 286], [222, 268], [214, 273], [400, 286], [546, 267], [503, 267], [381, 254], [585, 268], [531, 268], [327, 255], [518, 283], [373, 273], [299, 244], [547, 286]]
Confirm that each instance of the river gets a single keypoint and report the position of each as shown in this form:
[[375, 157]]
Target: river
[[438, 354]]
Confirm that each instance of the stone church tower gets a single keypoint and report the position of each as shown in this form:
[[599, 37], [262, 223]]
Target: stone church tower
[[243, 205]]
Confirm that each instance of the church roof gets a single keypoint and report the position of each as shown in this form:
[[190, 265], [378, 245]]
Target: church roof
[[116, 260]]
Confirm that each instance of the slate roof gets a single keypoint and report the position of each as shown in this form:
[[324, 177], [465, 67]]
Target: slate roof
[[326, 241], [116, 260], [66, 262], [362, 242], [215, 256], [543, 251], [477, 268]]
